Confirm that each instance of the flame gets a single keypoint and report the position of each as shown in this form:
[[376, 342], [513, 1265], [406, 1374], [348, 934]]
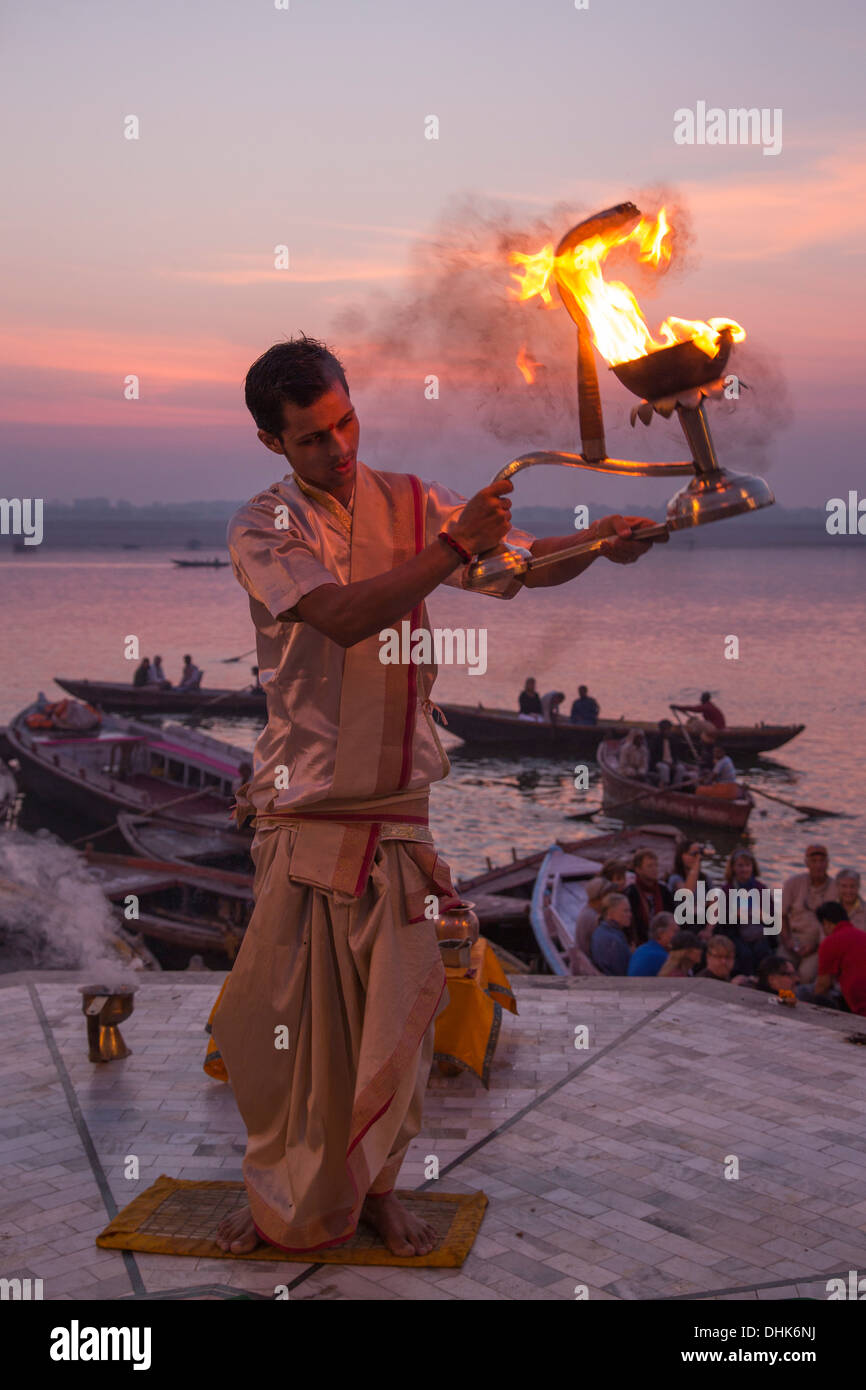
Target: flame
[[618, 327], [527, 365]]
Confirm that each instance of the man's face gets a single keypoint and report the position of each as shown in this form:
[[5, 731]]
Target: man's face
[[619, 914], [320, 441], [648, 871], [719, 963], [667, 936], [816, 863], [849, 890]]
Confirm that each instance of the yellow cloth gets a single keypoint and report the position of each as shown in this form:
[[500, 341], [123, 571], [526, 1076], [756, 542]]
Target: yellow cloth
[[468, 1030]]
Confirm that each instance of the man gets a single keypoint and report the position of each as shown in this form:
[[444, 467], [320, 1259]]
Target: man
[[706, 709], [842, 957], [774, 974], [647, 895], [848, 887], [529, 700], [585, 709], [156, 675], [587, 920], [609, 949], [661, 758], [721, 954], [550, 703], [801, 895], [649, 958], [723, 768], [326, 1023], [190, 677]]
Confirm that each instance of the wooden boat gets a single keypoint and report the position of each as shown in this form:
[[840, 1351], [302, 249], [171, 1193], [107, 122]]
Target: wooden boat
[[202, 564], [502, 731], [120, 698], [502, 894], [174, 840], [182, 908], [627, 793], [8, 791], [128, 766], [558, 896]]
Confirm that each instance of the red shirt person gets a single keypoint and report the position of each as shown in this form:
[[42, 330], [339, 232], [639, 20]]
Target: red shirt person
[[706, 709], [842, 956]]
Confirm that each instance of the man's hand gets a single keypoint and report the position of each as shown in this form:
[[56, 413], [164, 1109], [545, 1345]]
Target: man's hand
[[484, 520], [622, 549]]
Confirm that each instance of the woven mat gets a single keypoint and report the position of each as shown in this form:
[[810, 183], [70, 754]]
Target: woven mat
[[179, 1217]]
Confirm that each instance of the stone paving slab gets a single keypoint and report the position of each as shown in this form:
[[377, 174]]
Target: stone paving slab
[[605, 1165]]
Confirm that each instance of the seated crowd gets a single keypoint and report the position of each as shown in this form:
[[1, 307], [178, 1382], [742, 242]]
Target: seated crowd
[[628, 927]]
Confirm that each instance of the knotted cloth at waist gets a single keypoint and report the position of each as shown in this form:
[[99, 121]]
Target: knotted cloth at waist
[[335, 845]]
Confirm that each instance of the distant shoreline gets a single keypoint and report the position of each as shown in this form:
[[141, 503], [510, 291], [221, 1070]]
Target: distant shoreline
[[190, 536]]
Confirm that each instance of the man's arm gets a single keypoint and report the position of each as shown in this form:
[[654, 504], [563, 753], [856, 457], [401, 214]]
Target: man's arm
[[822, 984], [621, 549], [348, 613]]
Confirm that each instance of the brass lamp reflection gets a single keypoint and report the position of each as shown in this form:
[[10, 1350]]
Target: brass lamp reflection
[[676, 377], [105, 1007]]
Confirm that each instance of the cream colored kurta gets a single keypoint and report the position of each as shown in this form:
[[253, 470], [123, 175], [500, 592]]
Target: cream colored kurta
[[339, 955], [300, 669]]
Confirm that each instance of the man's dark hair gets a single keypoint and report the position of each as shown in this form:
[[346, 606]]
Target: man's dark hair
[[831, 912], [641, 855], [581, 690], [705, 696], [664, 725], [298, 372], [770, 965], [685, 941]]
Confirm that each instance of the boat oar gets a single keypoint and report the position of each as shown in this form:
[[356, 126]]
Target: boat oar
[[688, 736], [229, 660], [800, 807], [154, 811]]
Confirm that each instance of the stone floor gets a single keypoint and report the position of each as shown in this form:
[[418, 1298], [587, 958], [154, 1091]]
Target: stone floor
[[605, 1165]]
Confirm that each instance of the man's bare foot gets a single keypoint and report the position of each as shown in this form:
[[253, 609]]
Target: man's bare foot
[[402, 1233], [236, 1234]]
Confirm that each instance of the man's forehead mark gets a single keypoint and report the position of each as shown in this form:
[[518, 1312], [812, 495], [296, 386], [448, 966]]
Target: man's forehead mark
[[323, 429]]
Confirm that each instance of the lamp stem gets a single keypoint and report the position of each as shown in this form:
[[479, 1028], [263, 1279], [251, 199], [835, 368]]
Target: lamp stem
[[696, 429]]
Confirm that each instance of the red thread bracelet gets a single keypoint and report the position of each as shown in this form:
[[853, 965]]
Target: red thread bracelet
[[455, 545]]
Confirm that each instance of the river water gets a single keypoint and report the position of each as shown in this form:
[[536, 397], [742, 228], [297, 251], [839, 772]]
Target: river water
[[639, 636]]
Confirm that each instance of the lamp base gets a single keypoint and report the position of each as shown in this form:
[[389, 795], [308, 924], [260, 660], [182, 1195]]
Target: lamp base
[[714, 495]]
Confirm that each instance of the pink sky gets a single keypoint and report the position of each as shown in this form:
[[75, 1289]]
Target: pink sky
[[154, 257]]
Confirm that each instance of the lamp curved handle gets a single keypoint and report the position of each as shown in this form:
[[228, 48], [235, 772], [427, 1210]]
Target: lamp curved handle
[[632, 468]]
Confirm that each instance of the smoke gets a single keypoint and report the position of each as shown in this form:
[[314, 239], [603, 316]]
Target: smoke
[[53, 916], [745, 425], [454, 320]]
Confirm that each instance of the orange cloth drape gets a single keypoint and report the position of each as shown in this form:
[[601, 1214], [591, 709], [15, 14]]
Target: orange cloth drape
[[467, 1032]]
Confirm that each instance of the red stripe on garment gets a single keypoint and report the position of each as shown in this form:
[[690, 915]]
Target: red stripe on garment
[[365, 817], [363, 875], [303, 1249], [412, 672]]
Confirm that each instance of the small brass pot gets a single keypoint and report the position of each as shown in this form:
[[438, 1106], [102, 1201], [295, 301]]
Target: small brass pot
[[106, 1006]]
